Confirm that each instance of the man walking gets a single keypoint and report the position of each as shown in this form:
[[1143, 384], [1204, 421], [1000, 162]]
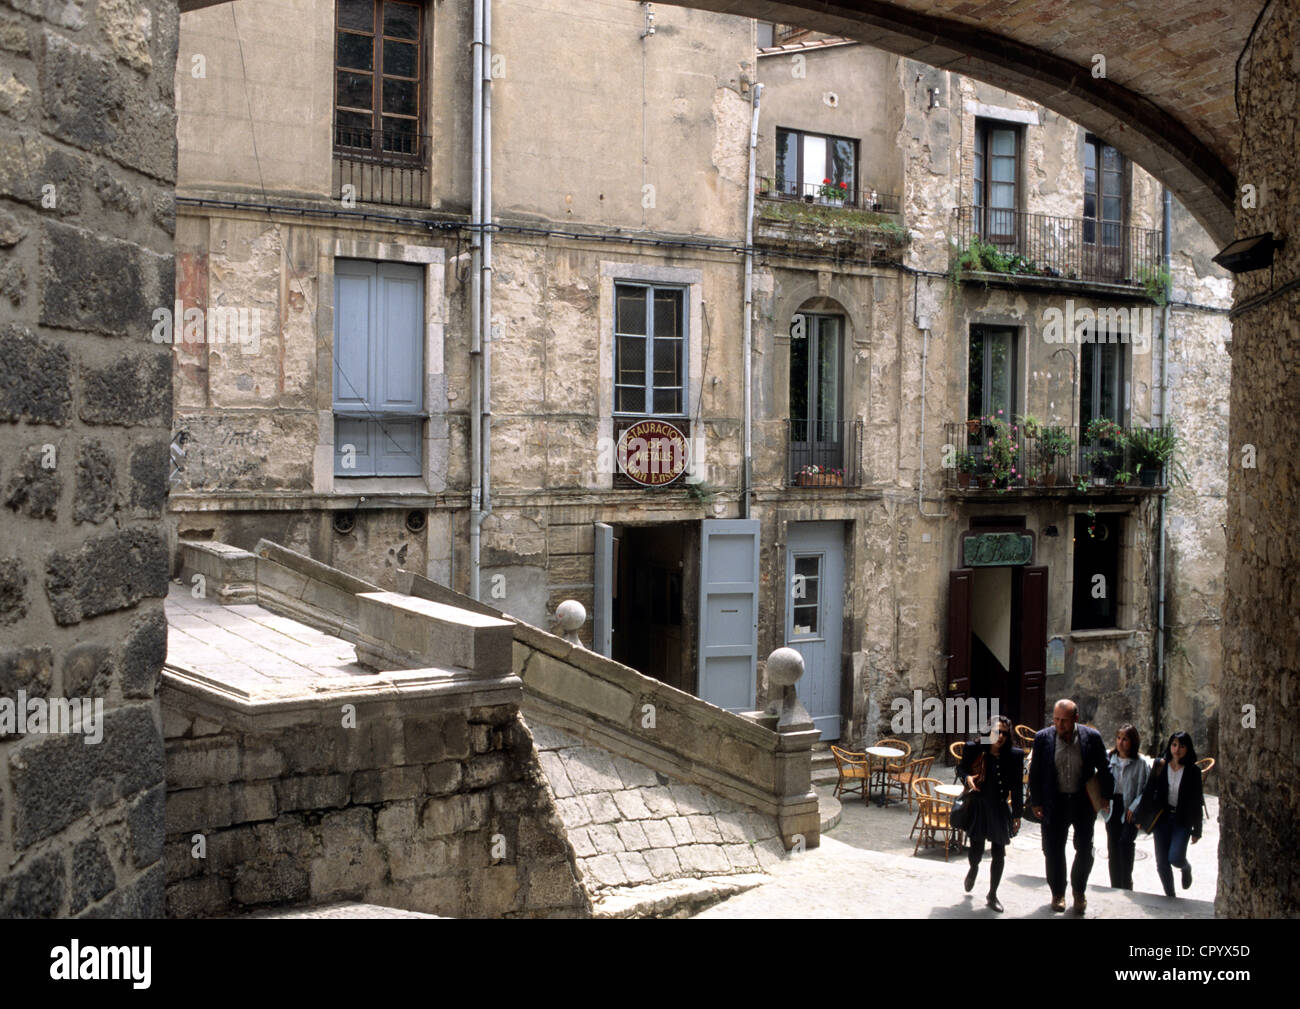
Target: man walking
[[1065, 757]]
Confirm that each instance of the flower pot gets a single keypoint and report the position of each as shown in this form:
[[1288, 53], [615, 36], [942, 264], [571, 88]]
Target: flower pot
[[1049, 478], [1098, 481], [808, 198], [973, 428], [984, 482], [963, 481], [1149, 477], [821, 480]]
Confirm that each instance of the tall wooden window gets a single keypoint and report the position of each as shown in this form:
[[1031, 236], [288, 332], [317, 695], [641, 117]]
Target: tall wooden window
[[378, 81], [1102, 386], [1103, 193], [1096, 572], [649, 350], [995, 194], [992, 376]]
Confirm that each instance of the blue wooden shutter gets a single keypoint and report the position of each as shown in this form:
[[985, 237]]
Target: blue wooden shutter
[[399, 369], [603, 601], [354, 326], [728, 612]]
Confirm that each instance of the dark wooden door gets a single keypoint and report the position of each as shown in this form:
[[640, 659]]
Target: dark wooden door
[[959, 594], [1029, 601]]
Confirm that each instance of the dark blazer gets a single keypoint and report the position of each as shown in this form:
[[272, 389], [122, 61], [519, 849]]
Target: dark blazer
[[1042, 769], [1011, 762], [1190, 795]]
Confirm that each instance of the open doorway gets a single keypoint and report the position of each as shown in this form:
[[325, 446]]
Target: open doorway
[[655, 599]]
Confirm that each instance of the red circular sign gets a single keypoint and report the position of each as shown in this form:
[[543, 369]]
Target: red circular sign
[[653, 453]]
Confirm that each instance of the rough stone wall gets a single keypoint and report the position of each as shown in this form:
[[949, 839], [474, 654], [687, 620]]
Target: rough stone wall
[[87, 161], [1261, 637], [442, 812]]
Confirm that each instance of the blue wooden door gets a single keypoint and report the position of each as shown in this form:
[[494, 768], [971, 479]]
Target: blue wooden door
[[814, 616], [728, 612]]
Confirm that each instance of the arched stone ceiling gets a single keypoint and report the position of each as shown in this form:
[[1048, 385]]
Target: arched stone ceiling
[[1167, 100]]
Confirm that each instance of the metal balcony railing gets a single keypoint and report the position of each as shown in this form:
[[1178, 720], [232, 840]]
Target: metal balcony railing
[[390, 168], [823, 453], [1071, 248], [1055, 456], [865, 198]]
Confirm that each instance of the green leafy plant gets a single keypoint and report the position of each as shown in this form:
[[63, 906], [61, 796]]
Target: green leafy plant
[[967, 463], [1001, 451], [1156, 281], [833, 191], [1106, 446], [1054, 443], [702, 491], [1030, 424], [1156, 448]]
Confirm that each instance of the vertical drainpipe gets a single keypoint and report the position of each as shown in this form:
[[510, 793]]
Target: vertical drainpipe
[[485, 314], [1159, 699], [749, 307], [476, 294]]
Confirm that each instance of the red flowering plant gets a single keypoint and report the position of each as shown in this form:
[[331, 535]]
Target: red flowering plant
[[833, 191]]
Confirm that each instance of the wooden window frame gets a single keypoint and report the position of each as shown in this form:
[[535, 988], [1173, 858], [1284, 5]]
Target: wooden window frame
[[1097, 221], [652, 288], [375, 150], [852, 199], [981, 181]]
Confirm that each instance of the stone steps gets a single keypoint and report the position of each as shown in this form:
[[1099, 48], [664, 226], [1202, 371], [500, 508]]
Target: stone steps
[[672, 898]]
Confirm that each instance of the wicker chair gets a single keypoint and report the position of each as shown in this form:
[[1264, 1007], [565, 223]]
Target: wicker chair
[[884, 768], [933, 818], [1025, 737], [922, 788], [903, 778], [954, 751], [851, 767]]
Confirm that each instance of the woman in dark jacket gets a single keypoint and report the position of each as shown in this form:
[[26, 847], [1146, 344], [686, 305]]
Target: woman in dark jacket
[[1175, 788], [992, 772]]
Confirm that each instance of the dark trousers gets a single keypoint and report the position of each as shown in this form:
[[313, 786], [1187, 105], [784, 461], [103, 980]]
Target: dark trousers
[[1121, 842], [976, 852], [1070, 811], [1171, 849]]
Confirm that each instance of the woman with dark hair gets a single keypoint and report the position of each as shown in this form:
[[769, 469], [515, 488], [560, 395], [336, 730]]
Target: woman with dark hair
[[1130, 769], [992, 772], [1175, 788]]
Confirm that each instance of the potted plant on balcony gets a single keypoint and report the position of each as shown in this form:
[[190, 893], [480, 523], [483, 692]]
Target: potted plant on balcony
[[1000, 453], [820, 476], [1053, 443], [1156, 449], [966, 466], [1122, 479], [973, 425], [832, 191], [1105, 446]]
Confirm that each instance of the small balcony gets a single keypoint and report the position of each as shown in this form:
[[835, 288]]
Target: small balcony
[[823, 454], [1030, 247], [390, 169], [986, 457], [858, 223]]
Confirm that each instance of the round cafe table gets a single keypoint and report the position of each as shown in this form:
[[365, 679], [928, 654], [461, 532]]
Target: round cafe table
[[949, 791], [883, 754]]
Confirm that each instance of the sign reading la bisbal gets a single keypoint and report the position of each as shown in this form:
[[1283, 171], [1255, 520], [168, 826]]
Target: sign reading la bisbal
[[653, 453]]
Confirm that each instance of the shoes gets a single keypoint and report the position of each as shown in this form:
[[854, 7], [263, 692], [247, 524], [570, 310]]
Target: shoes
[[970, 878], [1080, 903], [1187, 876], [1058, 903], [994, 903]]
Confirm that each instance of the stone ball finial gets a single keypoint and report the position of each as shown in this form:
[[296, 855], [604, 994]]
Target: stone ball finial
[[571, 615], [784, 667]]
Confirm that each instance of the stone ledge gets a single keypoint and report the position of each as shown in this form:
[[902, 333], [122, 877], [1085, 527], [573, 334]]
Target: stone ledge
[[400, 630], [229, 574], [673, 898]]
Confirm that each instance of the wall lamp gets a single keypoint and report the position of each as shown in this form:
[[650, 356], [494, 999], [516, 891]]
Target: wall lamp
[[1246, 254]]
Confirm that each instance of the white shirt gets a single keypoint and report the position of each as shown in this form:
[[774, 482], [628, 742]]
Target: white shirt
[[1175, 779]]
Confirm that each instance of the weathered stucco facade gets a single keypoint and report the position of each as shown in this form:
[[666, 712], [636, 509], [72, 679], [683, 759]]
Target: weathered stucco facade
[[621, 158]]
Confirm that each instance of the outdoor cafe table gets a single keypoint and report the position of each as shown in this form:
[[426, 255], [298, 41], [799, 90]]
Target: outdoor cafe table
[[950, 792], [883, 754]]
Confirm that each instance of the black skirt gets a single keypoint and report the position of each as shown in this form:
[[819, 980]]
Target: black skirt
[[990, 819]]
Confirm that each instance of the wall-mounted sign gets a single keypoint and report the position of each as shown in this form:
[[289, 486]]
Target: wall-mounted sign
[[653, 453], [1056, 657], [987, 550]]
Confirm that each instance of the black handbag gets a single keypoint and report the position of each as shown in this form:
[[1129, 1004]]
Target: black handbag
[[960, 814], [1149, 810]]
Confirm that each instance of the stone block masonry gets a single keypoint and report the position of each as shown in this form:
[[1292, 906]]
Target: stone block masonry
[[87, 167], [296, 776]]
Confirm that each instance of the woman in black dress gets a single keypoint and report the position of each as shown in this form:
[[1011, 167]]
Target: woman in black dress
[[992, 772]]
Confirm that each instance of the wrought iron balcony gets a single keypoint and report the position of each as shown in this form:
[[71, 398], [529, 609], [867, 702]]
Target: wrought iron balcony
[[1070, 248], [390, 168], [864, 198], [989, 457], [823, 453]]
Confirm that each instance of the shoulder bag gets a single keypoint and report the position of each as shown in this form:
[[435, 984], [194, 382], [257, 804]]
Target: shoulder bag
[[1149, 810]]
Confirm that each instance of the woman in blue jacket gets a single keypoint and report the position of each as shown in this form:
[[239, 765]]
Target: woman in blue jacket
[[1175, 787], [1130, 769]]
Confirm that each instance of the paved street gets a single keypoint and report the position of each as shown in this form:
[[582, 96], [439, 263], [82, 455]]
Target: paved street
[[865, 868]]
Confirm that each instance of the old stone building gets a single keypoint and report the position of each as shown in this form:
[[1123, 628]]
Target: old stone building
[[365, 375]]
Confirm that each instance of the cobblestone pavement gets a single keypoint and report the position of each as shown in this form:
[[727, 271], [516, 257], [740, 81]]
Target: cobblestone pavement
[[865, 868]]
